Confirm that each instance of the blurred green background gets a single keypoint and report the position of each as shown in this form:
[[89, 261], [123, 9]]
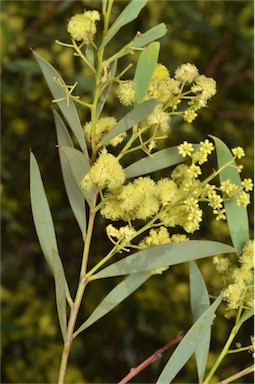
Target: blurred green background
[[217, 36]]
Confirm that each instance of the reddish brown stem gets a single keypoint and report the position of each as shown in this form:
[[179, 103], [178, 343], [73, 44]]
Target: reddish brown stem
[[155, 356]]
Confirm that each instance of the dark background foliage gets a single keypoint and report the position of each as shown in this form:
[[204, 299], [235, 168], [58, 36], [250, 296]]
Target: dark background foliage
[[217, 36]]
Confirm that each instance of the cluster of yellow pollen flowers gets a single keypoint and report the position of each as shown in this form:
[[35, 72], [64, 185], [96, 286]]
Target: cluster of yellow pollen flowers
[[103, 126], [169, 202], [171, 91], [240, 280], [82, 27]]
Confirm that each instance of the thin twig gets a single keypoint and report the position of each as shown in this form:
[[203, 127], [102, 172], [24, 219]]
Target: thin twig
[[242, 373], [155, 356]]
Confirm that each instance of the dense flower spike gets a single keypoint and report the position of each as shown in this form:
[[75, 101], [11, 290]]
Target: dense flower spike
[[105, 173], [241, 290], [185, 149], [171, 92], [204, 86], [156, 237], [238, 152], [175, 201], [124, 235], [247, 184], [229, 188], [168, 191], [243, 199], [126, 92], [103, 126], [82, 27], [160, 73], [159, 118], [186, 73], [137, 200]]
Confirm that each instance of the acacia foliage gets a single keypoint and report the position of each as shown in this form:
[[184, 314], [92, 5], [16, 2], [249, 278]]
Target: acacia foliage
[[218, 38]]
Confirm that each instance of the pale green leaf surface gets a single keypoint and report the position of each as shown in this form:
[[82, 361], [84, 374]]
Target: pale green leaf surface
[[143, 39], [144, 69], [163, 255], [63, 135], [41, 213], [115, 297], [247, 315], [237, 217], [60, 286], [130, 119], [188, 344], [128, 14], [90, 54], [79, 166], [200, 302], [75, 197], [102, 99], [150, 35], [156, 161], [69, 112]]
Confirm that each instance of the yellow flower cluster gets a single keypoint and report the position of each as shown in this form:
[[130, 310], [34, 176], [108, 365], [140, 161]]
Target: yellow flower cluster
[[106, 172], [204, 86], [82, 27], [168, 89], [126, 92], [161, 87], [229, 190], [161, 236], [238, 152], [103, 126], [124, 235], [135, 200], [241, 290], [186, 73], [156, 237], [200, 156], [233, 191], [159, 118], [169, 202], [247, 184], [166, 201]]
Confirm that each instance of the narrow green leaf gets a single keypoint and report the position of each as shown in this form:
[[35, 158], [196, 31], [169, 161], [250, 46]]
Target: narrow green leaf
[[144, 69], [200, 302], [130, 119], [41, 213], [158, 160], [60, 286], [128, 14], [247, 315], [239, 228], [143, 39], [63, 135], [69, 111], [102, 99], [90, 54], [163, 255], [188, 344], [149, 36], [75, 197], [79, 167], [115, 297]]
